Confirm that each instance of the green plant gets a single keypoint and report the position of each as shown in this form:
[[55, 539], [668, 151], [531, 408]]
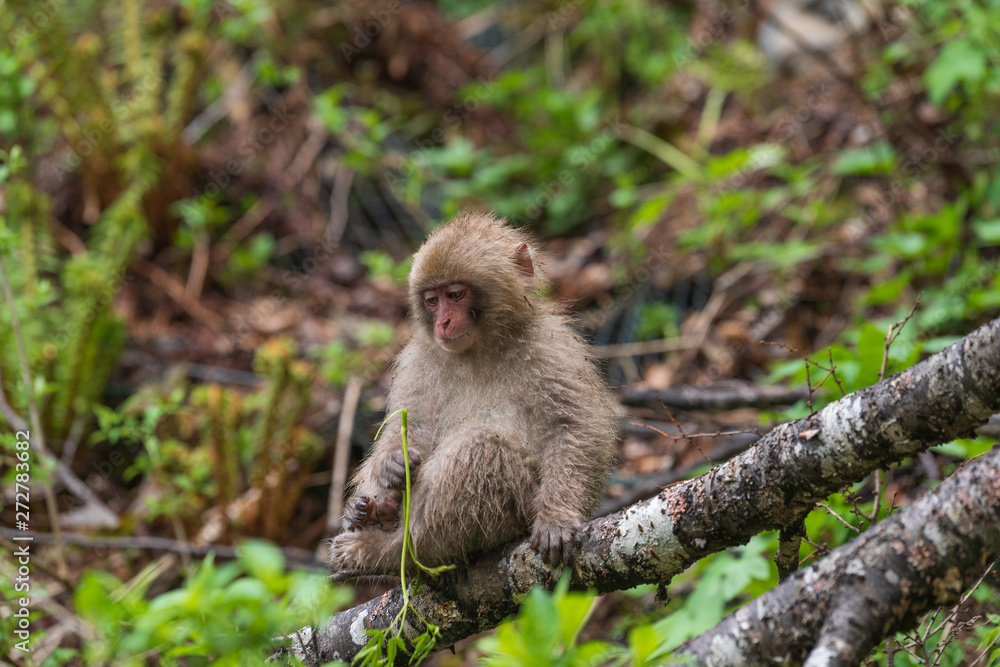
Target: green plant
[[546, 632], [204, 444], [383, 645], [222, 615]]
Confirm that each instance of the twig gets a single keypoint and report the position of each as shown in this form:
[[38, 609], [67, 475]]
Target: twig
[[72, 441], [199, 266], [304, 158], [522, 41], [649, 485], [833, 369], [299, 557], [242, 227], [690, 436], [642, 347], [342, 181], [702, 321], [216, 111], [294, 172], [341, 455], [716, 397], [838, 517], [66, 237], [176, 291], [890, 337], [472, 25]]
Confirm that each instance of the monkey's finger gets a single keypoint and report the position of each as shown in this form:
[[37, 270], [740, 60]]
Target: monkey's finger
[[550, 548], [539, 541], [555, 550], [568, 550]]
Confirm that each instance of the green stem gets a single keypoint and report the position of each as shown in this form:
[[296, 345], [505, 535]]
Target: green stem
[[406, 510]]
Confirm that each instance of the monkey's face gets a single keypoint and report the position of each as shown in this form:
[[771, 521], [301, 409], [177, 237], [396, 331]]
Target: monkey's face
[[450, 309]]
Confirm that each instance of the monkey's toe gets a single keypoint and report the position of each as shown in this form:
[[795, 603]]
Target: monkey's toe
[[343, 555], [557, 545], [357, 512]]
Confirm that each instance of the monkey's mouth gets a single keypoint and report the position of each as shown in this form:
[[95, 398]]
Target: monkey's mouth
[[457, 343]]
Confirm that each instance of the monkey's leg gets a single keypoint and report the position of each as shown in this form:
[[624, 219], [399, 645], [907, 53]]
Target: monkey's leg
[[474, 493]]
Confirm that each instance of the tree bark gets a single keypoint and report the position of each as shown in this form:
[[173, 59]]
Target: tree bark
[[771, 486]]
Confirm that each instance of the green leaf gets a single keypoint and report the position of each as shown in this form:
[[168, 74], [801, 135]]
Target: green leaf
[[879, 158], [890, 290], [574, 610], [261, 559], [960, 61], [643, 642], [871, 347], [987, 231]]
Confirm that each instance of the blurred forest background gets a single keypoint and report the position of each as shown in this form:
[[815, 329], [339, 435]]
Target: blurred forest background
[[206, 210]]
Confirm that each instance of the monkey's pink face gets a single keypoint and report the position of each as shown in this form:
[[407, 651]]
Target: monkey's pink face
[[450, 308]]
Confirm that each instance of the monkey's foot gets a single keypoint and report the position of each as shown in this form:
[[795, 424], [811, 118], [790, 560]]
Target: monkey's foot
[[391, 474], [344, 554], [363, 511], [556, 544]]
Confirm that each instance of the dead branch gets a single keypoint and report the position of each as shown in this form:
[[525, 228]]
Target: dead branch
[[717, 397]]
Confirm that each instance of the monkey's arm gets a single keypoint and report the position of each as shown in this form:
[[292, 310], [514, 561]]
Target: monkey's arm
[[577, 455], [556, 531], [571, 476]]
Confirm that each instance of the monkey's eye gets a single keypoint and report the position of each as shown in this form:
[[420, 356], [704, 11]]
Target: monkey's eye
[[456, 295], [431, 301]]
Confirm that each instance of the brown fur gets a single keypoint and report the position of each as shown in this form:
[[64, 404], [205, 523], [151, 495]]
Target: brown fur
[[513, 436]]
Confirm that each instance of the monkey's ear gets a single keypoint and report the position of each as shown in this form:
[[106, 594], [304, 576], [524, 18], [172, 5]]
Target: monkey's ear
[[522, 255]]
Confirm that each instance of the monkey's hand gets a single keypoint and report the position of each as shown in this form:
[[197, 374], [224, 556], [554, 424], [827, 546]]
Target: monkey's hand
[[557, 544], [363, 511], [389, 472]]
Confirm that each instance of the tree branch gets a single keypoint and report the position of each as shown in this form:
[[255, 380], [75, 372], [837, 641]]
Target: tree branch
[[771, 486], [838, 610]]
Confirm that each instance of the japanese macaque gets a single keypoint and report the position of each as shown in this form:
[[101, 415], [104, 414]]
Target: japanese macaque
[[511, 430]]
